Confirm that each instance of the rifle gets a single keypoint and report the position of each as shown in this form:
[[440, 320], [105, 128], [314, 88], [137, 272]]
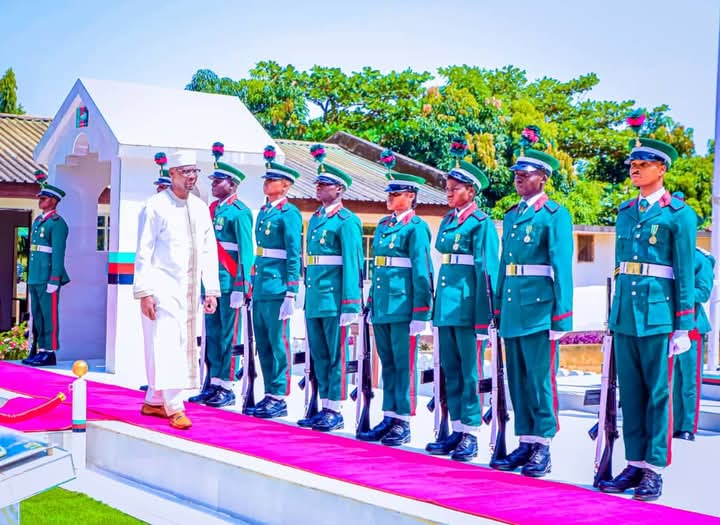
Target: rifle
[[247, 349], [497, 416], [309, 382], [605, 432], [362, 367]]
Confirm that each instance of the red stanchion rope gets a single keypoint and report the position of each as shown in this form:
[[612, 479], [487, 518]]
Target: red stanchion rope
[[39, 410]]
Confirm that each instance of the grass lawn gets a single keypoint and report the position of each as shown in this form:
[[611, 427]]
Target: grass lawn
[[62, 507]]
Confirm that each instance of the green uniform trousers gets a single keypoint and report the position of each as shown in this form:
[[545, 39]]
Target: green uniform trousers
[[531, 370], [328, 349], [45, 316], [222, 332], [645, 375], [272, 340], [398, 356], [459, 361], [687, 378]]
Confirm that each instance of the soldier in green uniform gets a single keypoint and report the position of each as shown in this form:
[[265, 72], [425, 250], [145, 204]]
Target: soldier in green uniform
[[400, 302], [534, 299], [276, 277], [652, 312], [232, 221], [332, 289], [468, 242], [46, 274], [687, 377]]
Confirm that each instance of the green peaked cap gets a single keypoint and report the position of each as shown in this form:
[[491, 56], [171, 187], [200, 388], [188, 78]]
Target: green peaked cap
[[49, 190], [224, 170], [333, 173], [275, 170], [468, 173], [532, 158], [644, 149]]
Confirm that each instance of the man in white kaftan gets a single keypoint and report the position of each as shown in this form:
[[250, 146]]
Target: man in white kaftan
[[176, 251]]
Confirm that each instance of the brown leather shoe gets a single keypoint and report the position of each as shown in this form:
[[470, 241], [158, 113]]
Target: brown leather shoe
[[180, 421], [152, 410]]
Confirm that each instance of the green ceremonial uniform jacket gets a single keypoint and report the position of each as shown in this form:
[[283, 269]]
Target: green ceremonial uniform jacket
[[280, 228], [333, 289], [402, 294], [48, 234], [543, 236], [704, 277], [233, 226], [461, 298], [665, 235]]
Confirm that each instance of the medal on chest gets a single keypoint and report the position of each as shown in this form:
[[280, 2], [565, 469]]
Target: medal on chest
[[653, 231], [456, 244], [42, 232], [528, 230], [392, 241], [267, 228], [322, 237], [219, 223]]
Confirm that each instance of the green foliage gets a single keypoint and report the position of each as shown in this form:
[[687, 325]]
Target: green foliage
[[13, 345], [8, 94], [489, 108]]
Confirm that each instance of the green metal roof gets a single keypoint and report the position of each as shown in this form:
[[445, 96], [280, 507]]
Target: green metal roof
[[368, 178]]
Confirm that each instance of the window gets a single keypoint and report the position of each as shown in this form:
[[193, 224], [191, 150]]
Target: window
[[585, 248], [103, 233], [367, 240]]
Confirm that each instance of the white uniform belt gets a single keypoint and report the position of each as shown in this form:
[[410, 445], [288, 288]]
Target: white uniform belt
[[40, 248], [536, 270], [229, 246], [397, 262], [271, 253], [458, 258], [653, 270], [330, 260]]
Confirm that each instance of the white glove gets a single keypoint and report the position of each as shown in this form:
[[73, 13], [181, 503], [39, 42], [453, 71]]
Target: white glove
[[287, 308], [348, 319], [51, 288], [236, 300], [554, 336], [482, 337], [679, 343], [420, 328]]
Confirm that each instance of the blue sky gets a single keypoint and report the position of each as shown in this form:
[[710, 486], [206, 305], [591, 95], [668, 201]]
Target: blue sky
[[661, 51]]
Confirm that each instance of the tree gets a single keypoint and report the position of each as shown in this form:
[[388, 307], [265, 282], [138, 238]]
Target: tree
[[8, 94]]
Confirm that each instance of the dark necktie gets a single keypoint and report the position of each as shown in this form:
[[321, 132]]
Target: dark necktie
[[521, 207], [643, 205]]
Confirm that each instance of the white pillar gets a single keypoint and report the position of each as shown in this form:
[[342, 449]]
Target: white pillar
[[715, 242]]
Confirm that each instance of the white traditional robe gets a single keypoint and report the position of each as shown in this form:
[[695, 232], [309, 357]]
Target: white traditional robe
[[176, 251]]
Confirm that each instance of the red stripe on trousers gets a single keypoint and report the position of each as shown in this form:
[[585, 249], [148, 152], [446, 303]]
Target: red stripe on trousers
[[480, 362], [234, 342], [698, 385], [287, 355], [343, 382], [54, 332], [671, 361], [413, 395], [553, 382]]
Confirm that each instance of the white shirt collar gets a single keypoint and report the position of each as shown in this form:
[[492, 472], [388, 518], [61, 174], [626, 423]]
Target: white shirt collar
[[400, 217], [653, 197], [532, 200], [226, 199], [332, 207], [274, 203], [47, 214], [459, 212]]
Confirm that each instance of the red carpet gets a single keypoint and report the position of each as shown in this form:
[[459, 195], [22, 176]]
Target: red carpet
[[507, 498]]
